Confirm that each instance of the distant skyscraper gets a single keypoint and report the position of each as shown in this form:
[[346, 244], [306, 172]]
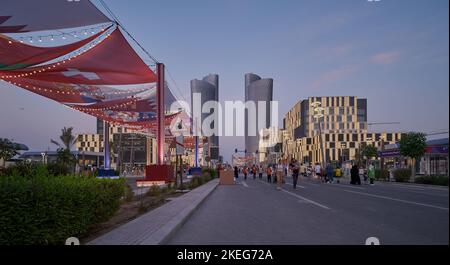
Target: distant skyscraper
[[208, 87], [257, 90]]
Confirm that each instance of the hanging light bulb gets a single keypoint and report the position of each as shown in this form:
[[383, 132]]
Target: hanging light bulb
[[10, 42], [63, 36], [31, 39], [21, 40], [51, 38], [92, 31], [75, 34], [40, 39], [85, 32]]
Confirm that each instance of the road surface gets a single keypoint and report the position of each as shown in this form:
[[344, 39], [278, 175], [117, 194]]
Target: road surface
[[255, 212]]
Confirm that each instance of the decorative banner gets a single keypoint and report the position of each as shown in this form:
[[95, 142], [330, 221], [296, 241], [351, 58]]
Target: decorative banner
[[35, 15], [16, 55], [111, 62]]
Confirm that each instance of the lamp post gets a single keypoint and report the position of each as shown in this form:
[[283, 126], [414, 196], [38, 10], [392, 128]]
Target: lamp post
[[43, 158], [318, 114]]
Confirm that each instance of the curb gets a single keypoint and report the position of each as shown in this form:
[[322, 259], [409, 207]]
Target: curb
[[127, 234], [178, 225]]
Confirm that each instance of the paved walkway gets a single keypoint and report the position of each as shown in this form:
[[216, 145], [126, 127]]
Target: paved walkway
[[157, 226]]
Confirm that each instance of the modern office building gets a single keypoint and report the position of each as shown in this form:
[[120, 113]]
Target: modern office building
[[208, 88], [257, 89], [338, 133], [133, 149]]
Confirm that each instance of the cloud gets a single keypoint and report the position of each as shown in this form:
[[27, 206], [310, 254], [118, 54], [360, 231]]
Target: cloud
[[333, 51], [335, 75], [385, 57]]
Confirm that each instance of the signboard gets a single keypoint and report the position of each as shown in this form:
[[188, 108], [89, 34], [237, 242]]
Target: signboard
[[214, 152], [179, 140]]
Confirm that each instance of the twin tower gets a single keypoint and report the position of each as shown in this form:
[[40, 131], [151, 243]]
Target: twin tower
[[257, 89]]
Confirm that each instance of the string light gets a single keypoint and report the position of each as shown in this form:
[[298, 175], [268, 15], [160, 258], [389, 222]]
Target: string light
[[50, 66], [64, 35]]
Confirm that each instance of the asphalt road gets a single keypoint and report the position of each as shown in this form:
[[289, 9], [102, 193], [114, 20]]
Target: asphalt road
[[255, 212]]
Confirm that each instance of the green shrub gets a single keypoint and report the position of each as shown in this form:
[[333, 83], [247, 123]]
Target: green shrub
[[46, 210], [433, 180], [194, 183], [402, 175], [154, 191], [381, 174], [129, 194]]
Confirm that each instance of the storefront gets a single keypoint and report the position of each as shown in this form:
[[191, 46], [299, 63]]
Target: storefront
[[434, 162]]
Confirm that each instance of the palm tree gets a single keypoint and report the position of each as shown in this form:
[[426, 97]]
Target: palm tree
[[66, 138], [65, 157]]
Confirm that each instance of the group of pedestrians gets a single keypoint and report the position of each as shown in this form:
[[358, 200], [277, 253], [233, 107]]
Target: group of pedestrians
[[277, 172], [356, 174]]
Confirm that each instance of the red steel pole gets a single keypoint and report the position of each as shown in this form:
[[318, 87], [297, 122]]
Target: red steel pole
[[160, 115]]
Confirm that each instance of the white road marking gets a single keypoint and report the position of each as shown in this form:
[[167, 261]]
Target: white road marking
[[427, 193], [297, 185], [313, 184], [398, 200], [349, 186], [245, 184], [416, 186], [305, 199]]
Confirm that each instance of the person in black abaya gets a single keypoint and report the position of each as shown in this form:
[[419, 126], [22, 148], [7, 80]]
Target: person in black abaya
[[354, 173]]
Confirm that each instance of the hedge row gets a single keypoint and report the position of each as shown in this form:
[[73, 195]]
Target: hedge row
[[46, 210], [381, 174], [402, 175], [433, 180]]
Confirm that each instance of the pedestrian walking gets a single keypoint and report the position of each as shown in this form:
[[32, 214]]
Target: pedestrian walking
[[245, 171], [280, 174], [318, 171], [354, 173], [236, 173], [260, 172], [302, 170], [330, 173], [295, 171], [338, 173], [362, 175], [371, 174], [254, 171], [269, 174]]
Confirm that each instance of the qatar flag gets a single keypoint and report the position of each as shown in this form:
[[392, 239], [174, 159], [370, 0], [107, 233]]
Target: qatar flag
[[18, 16], [16, 55], [111, 62]]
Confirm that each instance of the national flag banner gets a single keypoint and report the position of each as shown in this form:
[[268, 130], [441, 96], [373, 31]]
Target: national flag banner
[[17, 16], [111, 62], [17, 55], [84, 94]]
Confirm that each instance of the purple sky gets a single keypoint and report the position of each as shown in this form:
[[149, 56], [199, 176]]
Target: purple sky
[[394, 53]]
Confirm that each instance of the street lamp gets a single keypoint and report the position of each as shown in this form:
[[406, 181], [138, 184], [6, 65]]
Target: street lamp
[[43, 158], [318, 114]]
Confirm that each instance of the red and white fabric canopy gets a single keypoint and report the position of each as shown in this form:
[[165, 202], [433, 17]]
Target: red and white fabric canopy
[[108, 80], [18, 16], [17, 55]]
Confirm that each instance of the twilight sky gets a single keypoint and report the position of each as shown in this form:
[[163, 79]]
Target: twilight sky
[[392, 52]]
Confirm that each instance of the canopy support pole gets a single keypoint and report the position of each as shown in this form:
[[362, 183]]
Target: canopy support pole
[[106, 155], [160, 134]]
